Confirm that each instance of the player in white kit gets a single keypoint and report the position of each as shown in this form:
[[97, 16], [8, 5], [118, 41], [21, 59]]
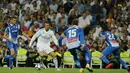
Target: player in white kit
[[44, 37]]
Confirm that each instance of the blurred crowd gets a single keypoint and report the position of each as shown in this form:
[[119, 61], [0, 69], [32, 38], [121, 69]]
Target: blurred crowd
[[93, 16]]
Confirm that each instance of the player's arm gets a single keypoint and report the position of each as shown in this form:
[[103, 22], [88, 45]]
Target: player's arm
[[103, 42], [35, 36], [81, 38], [24, 34], [117, 39], [60, 39], [6, 35], [54, 39]]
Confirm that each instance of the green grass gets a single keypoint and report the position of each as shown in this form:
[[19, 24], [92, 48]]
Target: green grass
[[52, 70]]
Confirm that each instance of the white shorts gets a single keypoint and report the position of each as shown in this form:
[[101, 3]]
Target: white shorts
[[47, 49]]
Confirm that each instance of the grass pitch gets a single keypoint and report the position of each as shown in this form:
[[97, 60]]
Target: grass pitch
[[52, 70]]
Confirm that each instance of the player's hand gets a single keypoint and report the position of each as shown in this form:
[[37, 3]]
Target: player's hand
[[29, 38], [11, 40], [29, 47], [82, 47], [57, 46]]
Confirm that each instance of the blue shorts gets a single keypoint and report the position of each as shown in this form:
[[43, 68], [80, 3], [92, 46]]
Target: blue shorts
[[12, 45], [114, 50], [73, 50]]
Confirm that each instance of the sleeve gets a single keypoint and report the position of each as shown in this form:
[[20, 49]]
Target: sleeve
[[35, 36], [60, 41], [116, 37], [103, 34], [103, 38], [54, 39], [7, 31], [81, 36], [65, 32]]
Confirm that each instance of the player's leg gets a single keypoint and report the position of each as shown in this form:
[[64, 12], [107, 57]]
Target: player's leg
[[15, 53], [124, 65], [88, 58], [87, 55], [51, 52], [55, 61], [10, 57], [107, 51], [75, 56], [40, 62], [41, 53], [10, 46], [117, 55], [73, 52]]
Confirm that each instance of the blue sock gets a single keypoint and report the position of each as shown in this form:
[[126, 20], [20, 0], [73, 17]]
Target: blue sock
[[77, 62], [124, 64], [104, 59], [11, 60], [88, 57], [6, 57]]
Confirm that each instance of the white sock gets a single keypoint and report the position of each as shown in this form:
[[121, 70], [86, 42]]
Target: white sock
[[55, 62], [42, 64]]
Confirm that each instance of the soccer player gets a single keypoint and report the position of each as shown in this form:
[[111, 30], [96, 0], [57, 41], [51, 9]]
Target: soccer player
[[11, 35], [44, 37], [75, 41], [112, 42]]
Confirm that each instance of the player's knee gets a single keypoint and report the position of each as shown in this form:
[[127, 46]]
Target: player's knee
[[117, 57], [41, 53], [101, 55], [53, 55], [75, 58], [12, 51]]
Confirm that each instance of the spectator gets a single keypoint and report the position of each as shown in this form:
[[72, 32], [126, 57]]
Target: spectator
[[35, 6], [7, 22], [84, 22], [64, 19], [29, 5], [68, 6], [128, 2], [128, 46], [13, 5], [80, 7], [53, 6], [96, 10], [53, 17], [22, 15], [53, 27], [1, 52], [124, 42], [71, 17], [88, 6], [74, 9]]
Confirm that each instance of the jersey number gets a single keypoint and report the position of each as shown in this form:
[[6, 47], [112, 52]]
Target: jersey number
[[72, 33], [110, 36]]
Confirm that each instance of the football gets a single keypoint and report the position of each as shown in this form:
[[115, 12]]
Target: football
[[38, 66]]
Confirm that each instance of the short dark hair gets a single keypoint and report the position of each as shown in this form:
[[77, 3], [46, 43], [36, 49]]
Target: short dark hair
[[48, 22], [75, 22], [8, 17], [13, 17]]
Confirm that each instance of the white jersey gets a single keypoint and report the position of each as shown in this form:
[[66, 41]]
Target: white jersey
[[44, 38]]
